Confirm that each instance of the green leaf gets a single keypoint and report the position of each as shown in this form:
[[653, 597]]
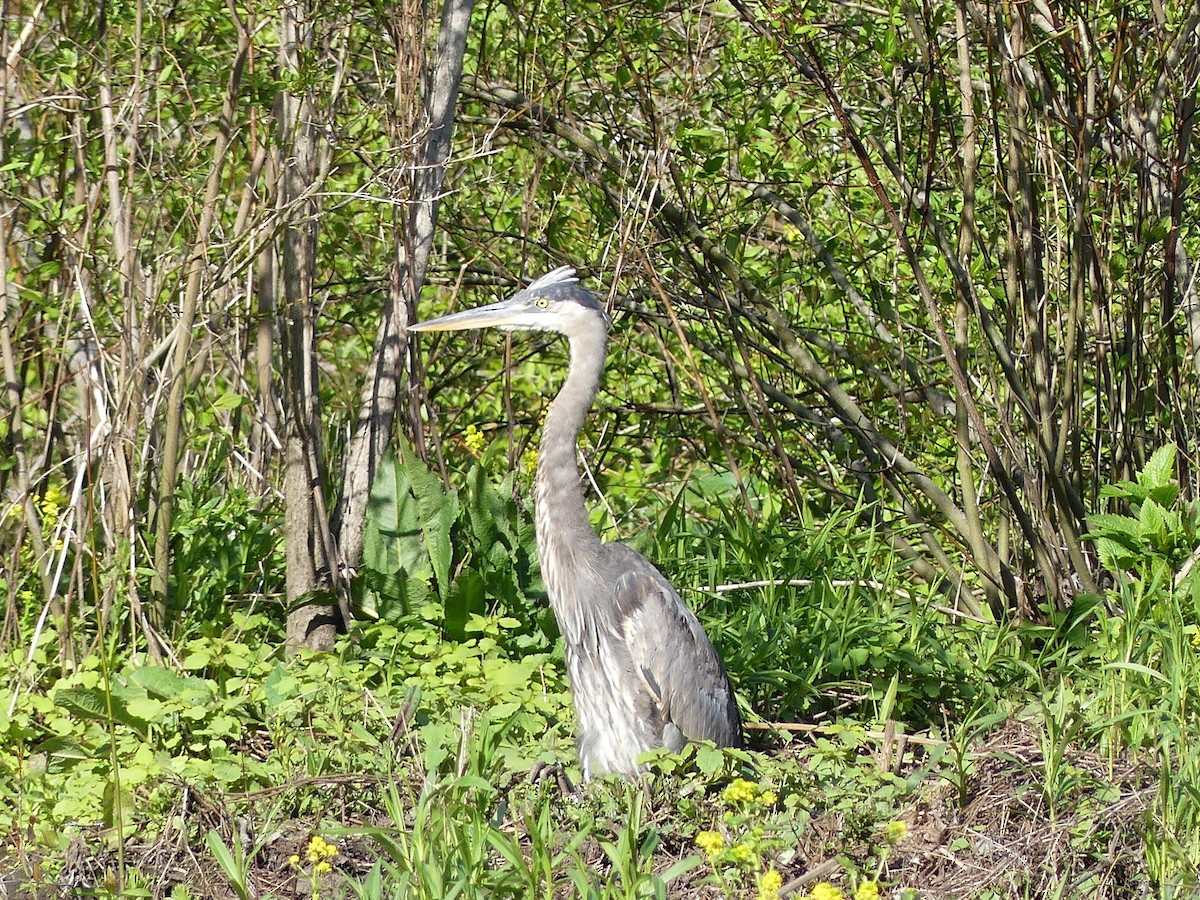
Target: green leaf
[[709, 759], [681, 867], [1140, 669], [465, 596], [167, 684], [1126, 530], [86, 703], [232, 868], [65, 748], [147, 709], [438, 508], [280, 685], [90, 704], [1159, 470], [229, 400]]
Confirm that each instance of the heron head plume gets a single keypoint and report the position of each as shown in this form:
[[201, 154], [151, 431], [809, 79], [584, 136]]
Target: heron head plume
[[555, 302]]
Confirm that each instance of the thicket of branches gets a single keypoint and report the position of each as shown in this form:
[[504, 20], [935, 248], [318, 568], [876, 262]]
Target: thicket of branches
[[936, 257]]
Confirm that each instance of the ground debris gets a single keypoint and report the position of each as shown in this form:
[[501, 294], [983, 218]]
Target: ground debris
[[1010, 839]]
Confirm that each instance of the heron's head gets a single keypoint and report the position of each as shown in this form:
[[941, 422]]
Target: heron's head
[[555, 302]]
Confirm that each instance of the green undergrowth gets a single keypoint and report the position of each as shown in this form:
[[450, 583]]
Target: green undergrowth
[[449, 697], [109, 740]]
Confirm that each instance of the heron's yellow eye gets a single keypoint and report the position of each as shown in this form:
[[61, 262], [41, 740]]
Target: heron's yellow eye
[[541, 302]]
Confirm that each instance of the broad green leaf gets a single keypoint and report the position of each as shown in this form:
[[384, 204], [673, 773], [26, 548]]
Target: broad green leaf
[[86, 703], [1120, 528], [437, 510], [709, 759], [1159, 470], [167, 684], [148, 709], [65, 748]]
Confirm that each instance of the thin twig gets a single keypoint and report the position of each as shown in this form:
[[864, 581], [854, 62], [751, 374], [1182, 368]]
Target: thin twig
[[807, 728]]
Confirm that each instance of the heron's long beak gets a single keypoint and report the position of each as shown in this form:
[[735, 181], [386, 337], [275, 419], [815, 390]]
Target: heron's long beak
[[505, 313]]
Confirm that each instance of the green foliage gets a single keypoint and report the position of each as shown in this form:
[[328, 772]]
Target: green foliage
[[477, 555], [1134, 680], [227, 550], [1156, 533], [820, 617], [713, 452]]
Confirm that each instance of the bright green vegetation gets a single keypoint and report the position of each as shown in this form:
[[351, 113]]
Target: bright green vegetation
[[409, 748], [901, 395]]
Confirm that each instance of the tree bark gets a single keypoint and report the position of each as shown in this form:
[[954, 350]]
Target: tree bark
[[309, 624], [417, 200]]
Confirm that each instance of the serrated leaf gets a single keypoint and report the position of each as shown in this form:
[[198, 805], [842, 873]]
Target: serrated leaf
[[437, 509], [65, 748], [86, 703], [1156, 525], [167, 684], [1114, 555], [1165, 495], [1159, 470], [1123, 528]]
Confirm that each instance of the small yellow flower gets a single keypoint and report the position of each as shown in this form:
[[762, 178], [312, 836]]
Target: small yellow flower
[[768, 798], [740, 791], [52, 501], [474, 441], [529, 461], [744, 852], [897, 830], [823, 890], [294, 861], [322, 868], [769, 884], [711, 842], [868, 890], [320, 850]]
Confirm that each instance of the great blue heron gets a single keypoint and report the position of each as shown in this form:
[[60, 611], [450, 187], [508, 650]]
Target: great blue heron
[[643, 673]]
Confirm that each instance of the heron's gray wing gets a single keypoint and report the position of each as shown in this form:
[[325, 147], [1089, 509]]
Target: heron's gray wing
[[672, 655]]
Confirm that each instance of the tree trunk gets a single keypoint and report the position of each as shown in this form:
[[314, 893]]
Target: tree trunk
[[417, 203], [309, 557]]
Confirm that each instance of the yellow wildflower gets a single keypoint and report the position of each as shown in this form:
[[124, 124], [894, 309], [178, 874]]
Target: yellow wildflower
[[529, 461], [769, 884], [768, 798], [320, 850], [52, 502], [294, 861], [711, 842], [868, 890], [897, 830], [322, 868], [823, 890], [474, 441], [740, 791], [744, 852]]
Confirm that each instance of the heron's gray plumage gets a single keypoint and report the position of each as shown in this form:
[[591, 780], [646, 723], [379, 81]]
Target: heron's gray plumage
[[643, 673]]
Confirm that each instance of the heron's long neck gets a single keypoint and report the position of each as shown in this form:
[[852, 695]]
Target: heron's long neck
[[564, 535]]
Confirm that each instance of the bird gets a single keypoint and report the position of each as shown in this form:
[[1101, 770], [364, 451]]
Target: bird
[[642, 671]]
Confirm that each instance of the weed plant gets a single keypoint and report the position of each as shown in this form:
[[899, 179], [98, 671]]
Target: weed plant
[[409, 751]]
